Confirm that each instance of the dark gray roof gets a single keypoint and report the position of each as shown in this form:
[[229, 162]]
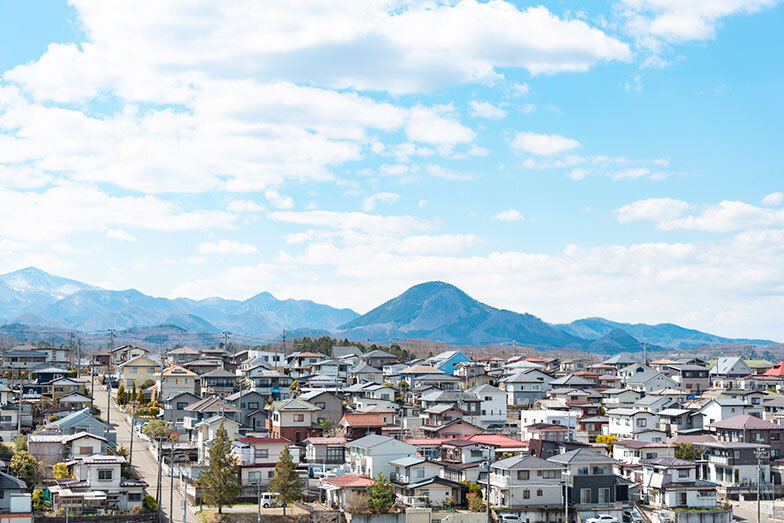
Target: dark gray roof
[[668, 462], [8, 482], [581, 455], [524, 463]]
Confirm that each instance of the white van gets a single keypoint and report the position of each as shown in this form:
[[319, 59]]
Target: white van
[[269, 499]]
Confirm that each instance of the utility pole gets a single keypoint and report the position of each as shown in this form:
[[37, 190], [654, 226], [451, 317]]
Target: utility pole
[[645, 352], [159, 490], [185, 497], [284, 344], [171, 484], [79, 359], [487, 497], [133, 424], [759, 482], [226, 335], [258, 495], [109, 384], [566, 498], [92, 383], [71, 337], [19, 404]]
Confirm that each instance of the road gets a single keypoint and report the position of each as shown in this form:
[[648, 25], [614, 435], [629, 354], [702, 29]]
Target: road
[[747, 512], [144, 462]]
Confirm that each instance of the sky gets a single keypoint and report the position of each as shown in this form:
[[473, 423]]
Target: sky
[[568, 159]]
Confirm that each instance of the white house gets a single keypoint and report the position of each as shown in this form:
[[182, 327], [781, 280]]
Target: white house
[[492, 404], [525, 481], [672, 483], [626, 423], [564, 418], [370, 455]]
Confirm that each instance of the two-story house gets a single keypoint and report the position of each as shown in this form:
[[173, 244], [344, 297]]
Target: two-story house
[[527, 387], [419, 482], [627, 422], [293, 419], [136, 371], [176, 379], [257, 458], [331, 406], [734, 466], [355, 426], [95, 484], [672, 483], [744, 428], [251, 403], [372, 455], [693, 379], [447, 360], [492, 404], [527, 482]]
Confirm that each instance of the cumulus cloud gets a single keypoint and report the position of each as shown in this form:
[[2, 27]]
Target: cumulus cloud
[[543, 144], [226, 247], [486, 110], [119, 234], [281, 202], [726, 216], [511, 215], [244, 206], [370, 202], [773, 199]]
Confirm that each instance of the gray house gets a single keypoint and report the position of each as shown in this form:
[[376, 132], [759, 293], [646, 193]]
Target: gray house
[[252, 401], [174, 407], [9, 486], [331, 406], [526, 387], [79, 421]]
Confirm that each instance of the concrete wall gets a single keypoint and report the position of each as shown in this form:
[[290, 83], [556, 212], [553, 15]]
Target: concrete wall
[[704, 517]]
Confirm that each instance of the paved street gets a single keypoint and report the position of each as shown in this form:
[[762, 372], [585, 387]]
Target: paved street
[[747, 512], [143, 460]]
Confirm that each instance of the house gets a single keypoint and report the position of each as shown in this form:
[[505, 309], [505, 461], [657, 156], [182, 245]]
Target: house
[[492, 406], [217, 381], [632, 451], [207, 408], [694, 379], [564, 418], [47, 373], [547, 431], [649, 381], [527, 482], [257, 458], [734, 466], [81, 445], [718, 409], [672, 483], [272, 384], [378, 358], [96, 484], [614, 398], [331, 406], [572, 381], [182, 355], [23, 359], [626, 423], [61, 386], [730, 367], [418, 482], [203, 365], [592, 486], [327, 451], [619, 361], [249, 402], [206, 431], [364, 373], [457, 428], [372, 454], [674, 422], [745, 428], [79, 421], [355, 426], [655, 404], [332, 368], [136, 371], [73, 401], [337, 490], [588, 427], [447, 360], [416, 373], [341, 351], [126, 353], [293, 419], [175, 380], [15, 501], [174, 408], [526, 387]]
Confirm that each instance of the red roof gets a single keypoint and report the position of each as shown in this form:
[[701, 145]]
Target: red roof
[[777, 370], [363, 420], [349, 481], [497, 440], [252, 439]]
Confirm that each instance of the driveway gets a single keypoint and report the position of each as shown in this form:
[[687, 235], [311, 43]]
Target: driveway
[[145, 462]]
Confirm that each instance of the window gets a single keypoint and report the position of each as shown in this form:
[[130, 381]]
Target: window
[[253, 405], [105, 475], [604, 495], [425, 492], [598, 471], [270, 473], [181, 405], [85, 451], [299, 417], [321, 404], [134, 496], [476, 453], [642, 422], [585, 495], [522, 474], [526, 494], [254, 476], [549, 474], [539, 492], [261, 453], [583, 471], [683, 473], [419, 472]]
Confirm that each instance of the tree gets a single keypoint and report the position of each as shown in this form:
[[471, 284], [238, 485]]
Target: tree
[[687, 451], [140, 398], [607, 440], [39, 501], [380, 495], [286, 482], [220, 481], [121, 397], [26, 467], [328, 426], [20, 443], [60, 471], [157, 429], [475, 502]]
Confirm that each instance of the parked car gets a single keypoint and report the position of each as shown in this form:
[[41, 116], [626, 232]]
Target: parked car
[[511, 518], [632, 516], [664, 516], [269, 499], [602, 518]]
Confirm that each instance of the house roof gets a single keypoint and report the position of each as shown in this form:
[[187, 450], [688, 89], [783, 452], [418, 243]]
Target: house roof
[[442, 407], [377, 409], [745, 422], [212, 420], [646, 376], [345, 350], [253, 440], [326, 441], [293, 404], [183, 350], [407, 461], [372, 440], [218, 373], [421, 369], [496, 440], [525, 462], [75, 417], [668, 462], [639, 444], [212, 404], [8, 482], [483, 389], [349, 481], [178, 370], [80, 435], [725, 365], [138, 362], [619, 359], [362, 420], [581, 455], [365, 369], [378, 354]]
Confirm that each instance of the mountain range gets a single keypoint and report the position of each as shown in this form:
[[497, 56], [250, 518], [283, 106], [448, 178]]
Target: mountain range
[[434, 311]]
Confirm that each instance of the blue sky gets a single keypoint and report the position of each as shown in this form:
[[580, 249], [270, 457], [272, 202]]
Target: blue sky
[[566, 159]]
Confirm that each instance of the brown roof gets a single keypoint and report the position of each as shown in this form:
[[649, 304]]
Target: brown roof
[[326, 441], [349, 481], [363, 420]]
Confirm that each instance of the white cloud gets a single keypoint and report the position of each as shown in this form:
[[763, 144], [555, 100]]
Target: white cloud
[[486, 110], [119, 234], [511, 215], [63, 210], [226, 247], [630, 174], [437, 126], [356, 221], [528, 108], [677, 21], [370, 202], [422, 203], [543, 144], [773, 199], [726, 216], [244, 206], [281, 202], [448, 174], [521, 89]]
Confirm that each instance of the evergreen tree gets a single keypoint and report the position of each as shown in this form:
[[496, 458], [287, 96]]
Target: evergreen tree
[[20, 443], [140, 399], [133, 392], [121, 399], [26, 467], [286, 482], [380, 495], [60, 471], [220, 481]]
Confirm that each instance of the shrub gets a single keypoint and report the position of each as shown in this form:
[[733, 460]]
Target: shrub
[[356, 503], [150, 503]]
